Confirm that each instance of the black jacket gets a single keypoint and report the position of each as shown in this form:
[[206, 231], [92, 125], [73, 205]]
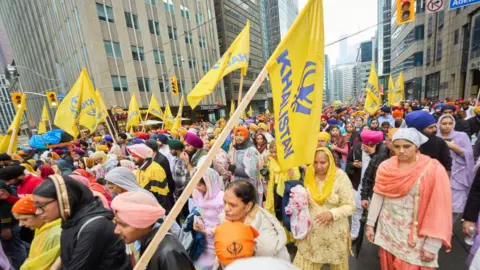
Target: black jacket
[[97, 246], [354, 173], [472, 208], [463, 126], [437, 148], [163, 161], [170, 254], [368, 181], [474, 123]]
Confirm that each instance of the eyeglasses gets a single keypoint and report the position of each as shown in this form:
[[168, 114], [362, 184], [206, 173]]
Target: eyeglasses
[[41, 206]]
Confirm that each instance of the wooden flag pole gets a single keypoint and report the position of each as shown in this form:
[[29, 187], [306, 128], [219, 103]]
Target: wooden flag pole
[[110, 130], [144, 121], [162, 231], [240, 88], [12, 139], [113, 126], [50, 124]]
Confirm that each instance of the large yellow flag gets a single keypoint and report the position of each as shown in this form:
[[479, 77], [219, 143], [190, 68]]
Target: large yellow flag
[[42, 125], [102, 112], [373, 100], [12, 133], [154, 107], [250, 111], [167, 118], [296, 71], [178, 120], [398, 93], [79, 106], [234, 58], [133, 112], [232, 108]]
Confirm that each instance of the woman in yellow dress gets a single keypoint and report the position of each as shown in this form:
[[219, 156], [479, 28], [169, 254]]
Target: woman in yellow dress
[[331, 203]]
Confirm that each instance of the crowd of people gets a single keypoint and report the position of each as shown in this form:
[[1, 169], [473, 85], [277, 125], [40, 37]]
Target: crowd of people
[[402, 177]]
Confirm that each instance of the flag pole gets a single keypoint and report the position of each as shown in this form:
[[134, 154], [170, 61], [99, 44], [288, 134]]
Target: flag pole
[[162, 231], [146, 116], [240, 89], [110, 130], [12, 139], [50, 124]]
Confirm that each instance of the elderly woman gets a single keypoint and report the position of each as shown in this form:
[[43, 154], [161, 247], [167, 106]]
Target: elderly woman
[[120, 180], [103, 164], [410, 199], [88, 240], [241, 205], [339, 146], [461, 151], [331, 203]]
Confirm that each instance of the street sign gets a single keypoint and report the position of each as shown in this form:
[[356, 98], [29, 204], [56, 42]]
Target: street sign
[[461, 3], [60, 96], [435, 6]]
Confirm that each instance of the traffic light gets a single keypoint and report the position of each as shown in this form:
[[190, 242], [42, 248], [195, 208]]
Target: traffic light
[[52, 99], [405, 11], [17, 100], [174, 84]]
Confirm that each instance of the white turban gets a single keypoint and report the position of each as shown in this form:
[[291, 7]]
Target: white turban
[[410, 134]]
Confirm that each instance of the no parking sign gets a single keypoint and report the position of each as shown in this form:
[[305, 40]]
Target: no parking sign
[[435, 6]]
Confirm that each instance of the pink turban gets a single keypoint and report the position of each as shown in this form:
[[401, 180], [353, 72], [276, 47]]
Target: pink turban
[[371, 137], [194, 140], [140, 150], [136, 209], [81, 179]]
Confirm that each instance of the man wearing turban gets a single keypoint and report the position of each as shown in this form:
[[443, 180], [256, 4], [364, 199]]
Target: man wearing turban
[[194, 155], [398, 122], [474, 121], [136, 217]]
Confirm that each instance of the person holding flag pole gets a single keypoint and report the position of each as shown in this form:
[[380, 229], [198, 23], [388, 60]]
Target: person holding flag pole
[[299, 62]]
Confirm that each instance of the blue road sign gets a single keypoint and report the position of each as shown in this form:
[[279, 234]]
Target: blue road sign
[[61, 96], [461, 3]]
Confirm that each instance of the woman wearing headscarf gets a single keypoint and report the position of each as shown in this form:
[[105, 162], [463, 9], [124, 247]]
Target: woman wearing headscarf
[[410, 199], [261, 144], [208, 198], [461, 151], [93, 184], [121, 180], [359, 122], [373, 124], [46, 171], [45, 247], [88, 240], [330, 204], [103, 164], [85, 181], [339, 146]]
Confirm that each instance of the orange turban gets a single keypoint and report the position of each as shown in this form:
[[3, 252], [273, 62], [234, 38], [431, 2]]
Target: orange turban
[[242, 130], [233, 241], [397, 113], [24, 206]]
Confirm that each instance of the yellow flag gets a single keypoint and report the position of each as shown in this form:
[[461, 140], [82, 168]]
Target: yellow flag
[[373, 101], [12, 133], [133, 112], [234, 58], [154, 108], [167, 118], [178, 120], [45, 116], [296, 70], [102, 112], [391, 89], [42, 127], [250, 111], [79, 106], [267, 111], [399, 93], [232, 108]]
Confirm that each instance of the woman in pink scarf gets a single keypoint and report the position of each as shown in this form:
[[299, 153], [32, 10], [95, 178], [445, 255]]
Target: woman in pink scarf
[[85, 181], [208, 198]]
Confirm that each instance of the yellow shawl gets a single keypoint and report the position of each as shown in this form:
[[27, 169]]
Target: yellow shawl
[[311, 183], [277, 176]]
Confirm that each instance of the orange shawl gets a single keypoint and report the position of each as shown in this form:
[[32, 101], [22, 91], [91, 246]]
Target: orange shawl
[[435, 200]]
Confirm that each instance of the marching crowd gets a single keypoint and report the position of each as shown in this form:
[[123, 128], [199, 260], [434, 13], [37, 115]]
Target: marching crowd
[[401, 177]]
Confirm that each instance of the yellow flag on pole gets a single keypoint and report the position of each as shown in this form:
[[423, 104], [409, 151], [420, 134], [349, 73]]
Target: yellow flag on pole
[[250, 111], [232, 108], [154, 108], [167, 118], [296, 70], [133, 112], [42, 125], [399, 94], [373, 100], [102, 112], [9, 142], [178, 120], [391, 89], [79, 106], [234, 58]]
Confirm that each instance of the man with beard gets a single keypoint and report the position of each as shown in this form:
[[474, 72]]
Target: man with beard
[[194, 155], [474, 122], [179, 168], [385, 115], [122, 144], [435, 147], [460, 124], [150, 175], [438, 111], [324, 123], [399, 122], [467, 109]]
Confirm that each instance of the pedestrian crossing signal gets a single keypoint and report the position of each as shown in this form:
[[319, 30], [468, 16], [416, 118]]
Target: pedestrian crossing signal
[[52, 99], [17, 100], [174, 84], [405, 11]]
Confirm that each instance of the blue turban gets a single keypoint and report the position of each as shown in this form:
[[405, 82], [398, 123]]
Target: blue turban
[[439, 105], [419, 120], [386, 109], [153, 137], [332, 121], [138, 141], [449, 107], [108, 138]]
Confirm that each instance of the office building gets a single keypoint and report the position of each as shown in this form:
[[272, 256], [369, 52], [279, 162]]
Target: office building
[[279, 16], [344, 82], [6, 55], [327, 91], [128, 47], [364, 60], [346, 55], [7, 111], [231, 18], [384, 9]]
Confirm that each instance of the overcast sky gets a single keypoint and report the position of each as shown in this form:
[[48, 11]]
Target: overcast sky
[[345, 17]]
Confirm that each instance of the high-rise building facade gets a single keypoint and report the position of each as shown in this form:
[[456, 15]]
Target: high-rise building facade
[[7, 112], [129, 47], [364, 61], [384, 9], [327, 91], [6, 55], [279, 16], [344, 82], [231, 18]]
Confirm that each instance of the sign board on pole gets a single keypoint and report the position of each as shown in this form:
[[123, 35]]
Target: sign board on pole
[[461, 3], [435, 6]]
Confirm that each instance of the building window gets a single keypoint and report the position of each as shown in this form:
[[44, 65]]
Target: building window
[[199, 18], [428, 55], [159, 57], [172, 33], [432, 85], [137, 53], [438, 54], [143, 84], [419, 32], [120, 83], [202, 42], [456, 36], [132, 20], [441, 19], [105, 13], [185, 12], [192, 63], [188, 38], [112, 49], [162, 86], [418, 59], [430, 26], [154, 27], [168, 5], [177, 60], [151, 2], [181, 86], [205, 66]]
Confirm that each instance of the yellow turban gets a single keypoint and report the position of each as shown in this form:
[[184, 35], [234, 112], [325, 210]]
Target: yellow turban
[[253, 127], [174, 133], [218, 131], [97, 139], [102, 148], [324, 136], [182, 131], [476, 110], [263, 126]]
